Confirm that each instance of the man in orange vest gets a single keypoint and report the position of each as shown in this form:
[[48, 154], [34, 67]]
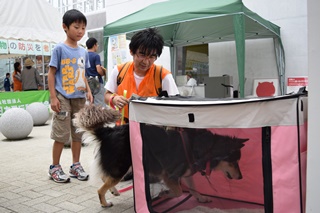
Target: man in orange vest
[[139, 77]]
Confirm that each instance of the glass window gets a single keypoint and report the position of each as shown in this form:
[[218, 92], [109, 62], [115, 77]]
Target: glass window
[[193, 61]]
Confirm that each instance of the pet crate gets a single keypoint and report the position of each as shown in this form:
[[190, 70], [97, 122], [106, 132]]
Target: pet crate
[[272, 162]]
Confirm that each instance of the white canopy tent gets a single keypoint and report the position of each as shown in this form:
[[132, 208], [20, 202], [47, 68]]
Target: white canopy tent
[[28, 28], [32, 20]]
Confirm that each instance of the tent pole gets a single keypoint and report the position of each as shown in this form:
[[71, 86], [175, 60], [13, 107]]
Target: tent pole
[[43, 73], [239, 33], [105, 48], [280, 59], [173, 61]]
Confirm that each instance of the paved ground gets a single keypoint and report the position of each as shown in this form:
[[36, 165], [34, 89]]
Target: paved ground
[[25, 186]]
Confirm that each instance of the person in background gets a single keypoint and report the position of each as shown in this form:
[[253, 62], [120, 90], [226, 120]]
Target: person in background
[[145, 47], [30, 77], [190, 80], [95, 72], [16, 76], [7, 83], [69, 91]]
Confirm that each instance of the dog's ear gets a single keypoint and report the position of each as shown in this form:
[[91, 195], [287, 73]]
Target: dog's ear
[[241, 141]]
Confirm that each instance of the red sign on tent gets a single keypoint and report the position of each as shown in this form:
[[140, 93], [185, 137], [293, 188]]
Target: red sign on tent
[[295, 83]]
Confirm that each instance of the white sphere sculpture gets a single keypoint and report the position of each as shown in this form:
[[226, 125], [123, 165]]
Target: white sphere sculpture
[[16, 123], [39, 113]]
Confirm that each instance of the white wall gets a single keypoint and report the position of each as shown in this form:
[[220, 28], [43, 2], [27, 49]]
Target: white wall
[[291, 16], [121, 8], [313, 171], [260, 61]]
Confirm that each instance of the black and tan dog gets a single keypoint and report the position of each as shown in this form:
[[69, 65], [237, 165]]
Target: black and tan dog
[[170, 153]]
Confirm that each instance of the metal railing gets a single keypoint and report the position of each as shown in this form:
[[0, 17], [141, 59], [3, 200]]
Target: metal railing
[[1, 82]]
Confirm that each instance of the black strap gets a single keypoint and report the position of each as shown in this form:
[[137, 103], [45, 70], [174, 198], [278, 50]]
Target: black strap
[[267, 169], [121, 77]]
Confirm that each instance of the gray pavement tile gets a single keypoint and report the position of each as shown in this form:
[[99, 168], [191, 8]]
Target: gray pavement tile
[[10, 195], [43, 207], [38, 200], [5, 210], [22, 208], [130, 210], [82, 198], [41, 188], [7, 187], [92, 203], [19, 183], [25, 186], [16, 201], [70, 206], [57, 200], [50, 192], [30, 194], [2, 200]]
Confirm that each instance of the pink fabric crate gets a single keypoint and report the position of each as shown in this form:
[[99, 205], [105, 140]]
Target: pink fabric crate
[[273, 169]]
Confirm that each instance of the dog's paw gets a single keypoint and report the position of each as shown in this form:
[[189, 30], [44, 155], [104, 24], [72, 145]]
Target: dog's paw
[[114, 191], [165, 194], [203, 199], [107, 205]]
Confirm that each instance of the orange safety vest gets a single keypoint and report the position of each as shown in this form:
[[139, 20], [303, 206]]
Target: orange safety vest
[[17, 85], [147, 87]]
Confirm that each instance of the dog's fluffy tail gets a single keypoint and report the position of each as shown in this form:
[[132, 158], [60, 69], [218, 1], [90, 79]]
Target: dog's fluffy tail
[[91, 117]]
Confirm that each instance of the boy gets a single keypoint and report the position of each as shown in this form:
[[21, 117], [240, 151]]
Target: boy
[[68, 90]]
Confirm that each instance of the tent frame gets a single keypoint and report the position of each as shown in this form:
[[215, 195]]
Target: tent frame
[[245, 25]]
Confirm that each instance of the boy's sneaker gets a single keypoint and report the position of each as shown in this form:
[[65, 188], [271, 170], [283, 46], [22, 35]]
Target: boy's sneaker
[[56, 173], [76, 171]]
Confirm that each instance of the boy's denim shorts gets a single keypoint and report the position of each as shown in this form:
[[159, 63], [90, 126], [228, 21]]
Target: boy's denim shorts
[[62, 125]]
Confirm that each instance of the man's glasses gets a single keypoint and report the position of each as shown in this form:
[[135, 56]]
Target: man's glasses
[[142, 56]]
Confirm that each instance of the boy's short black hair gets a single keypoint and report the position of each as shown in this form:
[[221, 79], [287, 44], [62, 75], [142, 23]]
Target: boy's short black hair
[[147, 41], [16, 65], [73, 16], [7, 73], [91, 42]]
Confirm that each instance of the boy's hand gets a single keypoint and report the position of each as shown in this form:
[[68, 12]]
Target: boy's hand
[[89, 97], [55, 104]]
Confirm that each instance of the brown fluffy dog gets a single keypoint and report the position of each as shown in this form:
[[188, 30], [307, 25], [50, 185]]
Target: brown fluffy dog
[[171, 153]]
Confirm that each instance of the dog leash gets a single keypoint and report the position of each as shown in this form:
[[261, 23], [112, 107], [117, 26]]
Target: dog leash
[[184, 142], [207, 170]]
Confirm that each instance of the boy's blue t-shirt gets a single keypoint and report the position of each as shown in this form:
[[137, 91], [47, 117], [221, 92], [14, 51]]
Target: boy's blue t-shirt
[[70, 75]]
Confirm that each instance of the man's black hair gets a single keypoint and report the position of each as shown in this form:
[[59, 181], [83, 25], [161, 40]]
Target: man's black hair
[[7, 74], [147, 41], [73, 16], [16, 65], [91, 42]]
